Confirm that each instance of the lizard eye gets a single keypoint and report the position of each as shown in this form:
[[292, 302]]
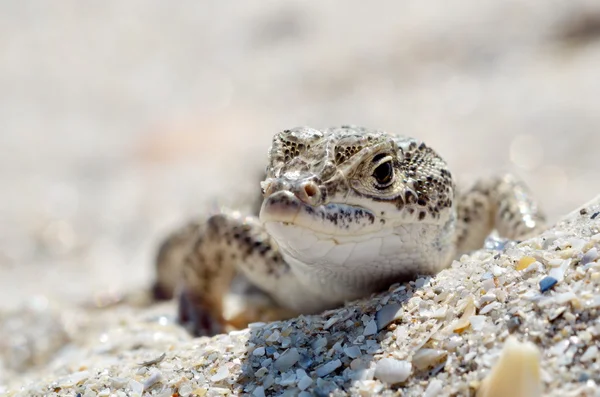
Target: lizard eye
[[383, 172]]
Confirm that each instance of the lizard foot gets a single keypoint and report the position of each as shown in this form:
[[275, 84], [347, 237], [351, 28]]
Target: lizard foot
[[196, 316]]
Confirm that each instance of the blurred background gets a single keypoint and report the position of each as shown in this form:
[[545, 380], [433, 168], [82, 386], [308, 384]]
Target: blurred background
[[120, 120]]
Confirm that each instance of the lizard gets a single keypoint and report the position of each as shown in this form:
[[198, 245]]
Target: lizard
[[346, 212]]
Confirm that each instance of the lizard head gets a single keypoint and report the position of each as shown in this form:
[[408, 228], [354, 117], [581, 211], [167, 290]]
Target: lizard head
[[330, 194]]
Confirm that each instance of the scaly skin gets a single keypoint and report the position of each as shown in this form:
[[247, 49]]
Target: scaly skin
[[346, 212]]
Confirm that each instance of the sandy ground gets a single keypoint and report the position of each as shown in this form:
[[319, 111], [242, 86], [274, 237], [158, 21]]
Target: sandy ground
[[120, 120]]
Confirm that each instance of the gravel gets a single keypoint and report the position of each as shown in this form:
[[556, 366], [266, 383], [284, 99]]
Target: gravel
[[450, 333]]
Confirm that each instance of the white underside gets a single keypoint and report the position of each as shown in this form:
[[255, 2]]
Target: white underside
[[331, 269]]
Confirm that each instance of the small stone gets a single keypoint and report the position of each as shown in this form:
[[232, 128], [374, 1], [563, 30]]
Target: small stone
[[304, 381], [319, 343], [565, 297], [487, 298], [463, 322], [256, 325], [185, 390], [259, 391], [547, 282], [287, 359], [388, 314], [517, 372], [222, 374], [557, 273], [420, 282], [488, 284], [428, 358], [154, 377], [268, 381], [136, 387], [261, 372], [392, 371], [288, 379], [593, 303], [583, 377], [305, 361], [590, 354], [524, 262], [559, 348], [274, 337], [352, 351], [259, 351], [477, 322], [270, 350], [487, 276], [589, 256], [330, 322], [498, 271], [513, 323], [370, 328], [434, 389], [328, 368], [488, 308]]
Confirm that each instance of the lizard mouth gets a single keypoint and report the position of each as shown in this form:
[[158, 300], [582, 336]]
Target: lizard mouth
[[329, 219]]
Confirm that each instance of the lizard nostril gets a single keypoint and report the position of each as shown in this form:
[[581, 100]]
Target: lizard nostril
[[311, 190]]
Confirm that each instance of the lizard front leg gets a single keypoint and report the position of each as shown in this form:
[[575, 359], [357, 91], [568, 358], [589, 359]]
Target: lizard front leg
[[207, 255], [501, 203]]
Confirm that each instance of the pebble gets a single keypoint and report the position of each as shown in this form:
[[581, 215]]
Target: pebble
[[524, 262], [477, 322], [261, 372], [274, 337], [434, 388], [304, 381], [590, 354], [319, 343], [328, 368], [589, 256], [392, 371], [330, 322], [564, 297], [259, 351], [154, 377], [287, 359], [370, 328], [547, 282], [259, 391], [74, 379], [222, 374], [388, 314], [352, 351], [184, 390], [516, 373], [488, 308], [287, 379], [559, 348], [593, 303], [136, 386], [428, 358]]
